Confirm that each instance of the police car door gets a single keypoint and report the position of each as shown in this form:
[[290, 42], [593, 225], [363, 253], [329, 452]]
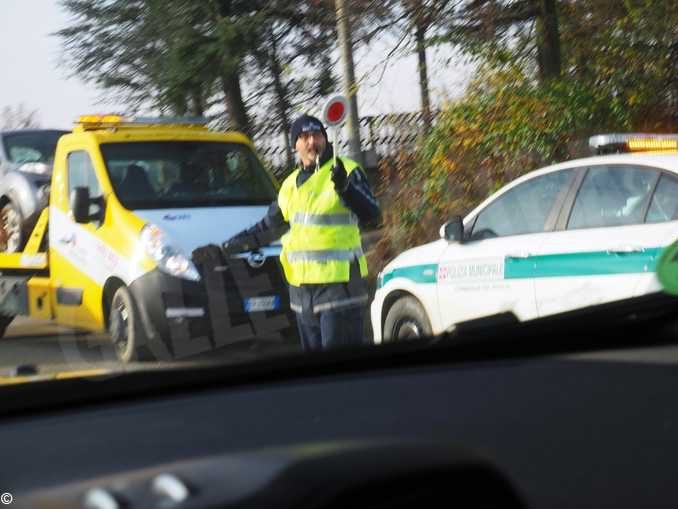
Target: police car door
[[491, 271], [74, 263], [604, 250]]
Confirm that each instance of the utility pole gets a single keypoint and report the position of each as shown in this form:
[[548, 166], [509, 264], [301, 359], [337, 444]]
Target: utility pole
[[348, 80]]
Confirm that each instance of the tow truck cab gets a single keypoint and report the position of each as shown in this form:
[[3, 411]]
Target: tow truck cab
[[129, 201]]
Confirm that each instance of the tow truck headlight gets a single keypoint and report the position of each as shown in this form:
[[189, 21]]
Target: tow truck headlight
[[170, 259]]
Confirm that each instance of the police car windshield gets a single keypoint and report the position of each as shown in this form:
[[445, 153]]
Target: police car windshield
[[186, 174]]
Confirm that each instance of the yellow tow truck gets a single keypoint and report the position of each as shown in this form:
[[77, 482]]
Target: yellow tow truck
[[129, 200]]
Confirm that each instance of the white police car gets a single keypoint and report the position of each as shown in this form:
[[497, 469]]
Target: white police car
[[574, 234]]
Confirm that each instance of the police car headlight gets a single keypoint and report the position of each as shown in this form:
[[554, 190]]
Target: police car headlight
[[170, 259]]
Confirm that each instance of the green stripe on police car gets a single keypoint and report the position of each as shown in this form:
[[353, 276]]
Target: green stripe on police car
[[417, 273], [589, 263]]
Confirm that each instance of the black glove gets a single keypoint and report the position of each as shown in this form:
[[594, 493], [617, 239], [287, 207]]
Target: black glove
[[217, 254], [339, 176], [241, 242], [211, 253]]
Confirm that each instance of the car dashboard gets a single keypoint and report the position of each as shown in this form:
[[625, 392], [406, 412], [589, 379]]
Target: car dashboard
[[388, 427]]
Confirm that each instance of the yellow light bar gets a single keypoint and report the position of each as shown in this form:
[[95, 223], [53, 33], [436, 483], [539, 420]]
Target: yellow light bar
[[633, 142], [93, 122], [100, 119], [652, 144]]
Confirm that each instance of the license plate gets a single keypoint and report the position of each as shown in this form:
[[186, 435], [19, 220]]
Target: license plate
[[255, 304]]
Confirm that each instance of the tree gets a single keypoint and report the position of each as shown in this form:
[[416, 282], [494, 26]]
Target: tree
[[524, 30], [112, 45], [629, 49], [172, 55], [421, 17], [181, 57], [292, 61], [415, 26], [548, 40], [18, 117]]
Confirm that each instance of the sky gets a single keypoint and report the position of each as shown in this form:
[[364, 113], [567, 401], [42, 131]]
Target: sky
[[32, 75]]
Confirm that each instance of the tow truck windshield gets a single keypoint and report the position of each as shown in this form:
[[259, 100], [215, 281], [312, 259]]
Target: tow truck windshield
[[186, 174]]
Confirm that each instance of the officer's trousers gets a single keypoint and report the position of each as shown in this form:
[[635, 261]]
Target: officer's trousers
[[331, 329]]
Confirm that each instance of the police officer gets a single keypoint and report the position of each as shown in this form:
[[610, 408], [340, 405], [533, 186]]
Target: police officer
[[319, 209]]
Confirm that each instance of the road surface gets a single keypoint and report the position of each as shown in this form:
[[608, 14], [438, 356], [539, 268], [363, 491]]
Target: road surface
[[53, 349]]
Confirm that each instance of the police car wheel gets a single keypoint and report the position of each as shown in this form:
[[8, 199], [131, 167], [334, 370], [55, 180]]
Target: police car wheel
[[406, 320], [126, 329]]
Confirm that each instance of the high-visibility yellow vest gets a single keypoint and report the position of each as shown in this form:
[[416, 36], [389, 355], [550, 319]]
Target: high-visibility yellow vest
[[324, 237]]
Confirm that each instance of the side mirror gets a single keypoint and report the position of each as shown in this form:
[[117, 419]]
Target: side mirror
[[453, 230], [80, 202]]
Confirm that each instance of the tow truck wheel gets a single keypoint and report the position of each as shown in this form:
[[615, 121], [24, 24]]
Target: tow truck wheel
[[126, 329], [406, 320], [11, 233]]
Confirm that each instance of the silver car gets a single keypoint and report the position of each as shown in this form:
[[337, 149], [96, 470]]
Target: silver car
[[26, 158]]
